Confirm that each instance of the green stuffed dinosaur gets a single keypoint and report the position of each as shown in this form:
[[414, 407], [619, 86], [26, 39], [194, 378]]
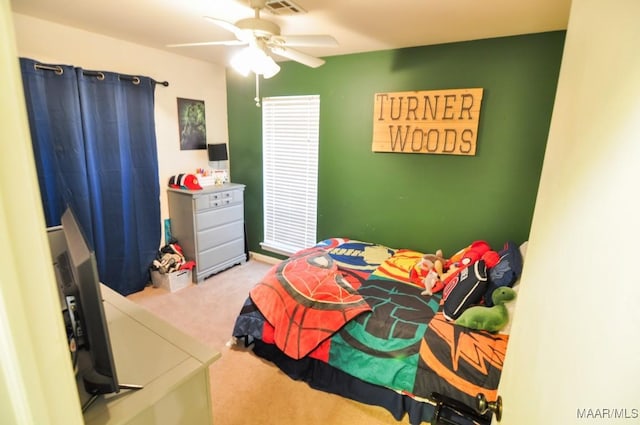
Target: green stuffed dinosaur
[[490, 319]]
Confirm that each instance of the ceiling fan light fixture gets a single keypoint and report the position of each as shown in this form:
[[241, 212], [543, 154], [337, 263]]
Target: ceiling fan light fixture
[[241, 62], [254, 59], [263, 38], [270, 68]]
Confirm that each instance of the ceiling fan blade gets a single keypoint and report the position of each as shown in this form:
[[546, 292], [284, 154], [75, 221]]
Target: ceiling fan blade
[[227, 26], [211, 43], [308, 40], [297, 56]]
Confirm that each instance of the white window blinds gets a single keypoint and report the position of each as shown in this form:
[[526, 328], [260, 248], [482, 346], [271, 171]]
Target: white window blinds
[[290, 133]]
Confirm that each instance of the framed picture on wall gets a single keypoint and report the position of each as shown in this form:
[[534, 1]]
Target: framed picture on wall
[[192, 124]]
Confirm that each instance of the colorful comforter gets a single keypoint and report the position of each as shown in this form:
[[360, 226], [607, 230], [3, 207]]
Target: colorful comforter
[[352, 305]]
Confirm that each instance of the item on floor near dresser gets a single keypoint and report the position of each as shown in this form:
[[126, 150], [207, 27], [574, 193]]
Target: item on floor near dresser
[[170, 269], [167, 231], [171, 281], [210, 226], [170, 258]]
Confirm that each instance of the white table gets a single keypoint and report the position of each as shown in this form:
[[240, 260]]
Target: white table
[[171, 367]]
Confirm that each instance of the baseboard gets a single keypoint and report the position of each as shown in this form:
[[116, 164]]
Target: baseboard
[[263, 258]]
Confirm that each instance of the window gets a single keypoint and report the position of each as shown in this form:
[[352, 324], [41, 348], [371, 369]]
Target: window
[[290, 128]]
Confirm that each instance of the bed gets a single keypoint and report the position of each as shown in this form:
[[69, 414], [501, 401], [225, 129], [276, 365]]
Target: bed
[[348, 317]]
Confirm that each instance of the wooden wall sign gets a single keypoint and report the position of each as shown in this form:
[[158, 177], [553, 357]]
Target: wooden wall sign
[[435, 121]]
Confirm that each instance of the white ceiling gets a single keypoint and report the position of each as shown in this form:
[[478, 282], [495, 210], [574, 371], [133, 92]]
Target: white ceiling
[[358, 25]]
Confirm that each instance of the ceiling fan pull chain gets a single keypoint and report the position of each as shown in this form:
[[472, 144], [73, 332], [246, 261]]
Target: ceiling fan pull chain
[[257, 98]]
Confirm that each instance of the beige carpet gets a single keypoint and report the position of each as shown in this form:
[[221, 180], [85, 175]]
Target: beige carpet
[[244, 388]]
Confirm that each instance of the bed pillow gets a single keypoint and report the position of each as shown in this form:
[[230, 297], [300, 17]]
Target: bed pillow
[[399, 266], [506, 272], [511, 305], [465, 290], [359, 255]]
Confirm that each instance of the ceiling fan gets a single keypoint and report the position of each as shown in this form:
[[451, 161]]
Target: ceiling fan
[[263, 37]]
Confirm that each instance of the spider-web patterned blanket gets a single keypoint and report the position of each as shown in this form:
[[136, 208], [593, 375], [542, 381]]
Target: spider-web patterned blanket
[[306, 299]]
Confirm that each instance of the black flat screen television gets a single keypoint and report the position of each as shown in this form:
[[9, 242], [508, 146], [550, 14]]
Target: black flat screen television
[[79, 284]]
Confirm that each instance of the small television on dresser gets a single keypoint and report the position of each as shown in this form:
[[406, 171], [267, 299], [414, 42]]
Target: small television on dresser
[[82, 306]]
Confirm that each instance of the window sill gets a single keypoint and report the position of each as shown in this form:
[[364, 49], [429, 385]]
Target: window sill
[[277, 249]]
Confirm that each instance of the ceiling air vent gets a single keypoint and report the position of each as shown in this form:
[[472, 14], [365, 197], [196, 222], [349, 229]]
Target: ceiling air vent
[[283, 7]]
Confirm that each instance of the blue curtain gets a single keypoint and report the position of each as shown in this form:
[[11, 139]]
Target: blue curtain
[[53, 107], [101, 159]]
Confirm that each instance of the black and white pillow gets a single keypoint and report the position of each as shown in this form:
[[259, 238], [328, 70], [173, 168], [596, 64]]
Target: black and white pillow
[[465, 290]]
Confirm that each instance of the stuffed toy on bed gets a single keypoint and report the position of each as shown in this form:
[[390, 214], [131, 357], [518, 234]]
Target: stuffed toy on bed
[[427, 273], [490, 319]]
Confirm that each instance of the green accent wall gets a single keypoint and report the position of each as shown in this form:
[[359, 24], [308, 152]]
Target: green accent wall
[[417, 201]]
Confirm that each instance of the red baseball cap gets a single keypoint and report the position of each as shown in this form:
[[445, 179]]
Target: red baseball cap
[[184, 181], [190, 181]]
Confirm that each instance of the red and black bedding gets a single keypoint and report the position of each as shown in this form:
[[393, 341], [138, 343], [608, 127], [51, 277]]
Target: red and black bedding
[[347, 317]]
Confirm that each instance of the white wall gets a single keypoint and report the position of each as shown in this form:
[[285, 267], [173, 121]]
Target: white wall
[[37, 385], [575, 341], [188, 78]]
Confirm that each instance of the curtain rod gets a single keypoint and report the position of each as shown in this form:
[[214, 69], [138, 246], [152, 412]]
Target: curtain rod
[[58, 70]]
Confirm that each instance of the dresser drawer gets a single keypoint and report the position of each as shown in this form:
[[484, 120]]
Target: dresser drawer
[[216, 217], [214, 256], [218, 199], [220, 234]]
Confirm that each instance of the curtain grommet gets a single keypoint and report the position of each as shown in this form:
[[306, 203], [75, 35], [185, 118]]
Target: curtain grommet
[[57, 69]]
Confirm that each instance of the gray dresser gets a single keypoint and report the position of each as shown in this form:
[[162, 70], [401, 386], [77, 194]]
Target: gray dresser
[[209, 226]]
